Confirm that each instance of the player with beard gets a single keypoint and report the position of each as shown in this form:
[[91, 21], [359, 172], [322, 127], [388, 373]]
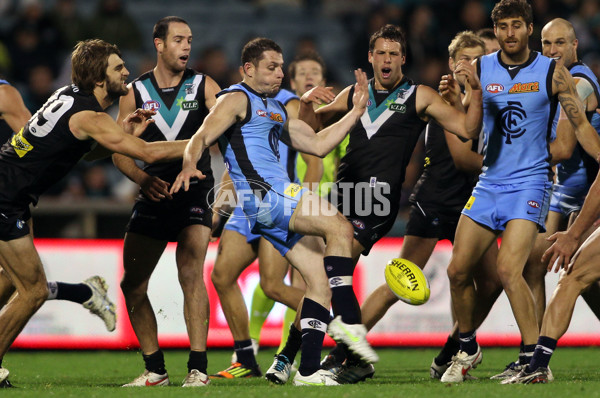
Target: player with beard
[[92, 293], [573, 176], [181, 98], [513, 192], [249, 123], [49, 145]]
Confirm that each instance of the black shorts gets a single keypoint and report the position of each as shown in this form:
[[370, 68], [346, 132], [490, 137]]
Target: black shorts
[[13, 222], [164, 220], [433, 221], [370, 222]]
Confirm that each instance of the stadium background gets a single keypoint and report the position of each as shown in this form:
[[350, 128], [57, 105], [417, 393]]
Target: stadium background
[[94, 201]]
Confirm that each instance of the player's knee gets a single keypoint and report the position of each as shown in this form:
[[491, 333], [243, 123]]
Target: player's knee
[[508, 274], [341, 230], [457, 275], [272, 289], [221, 280]]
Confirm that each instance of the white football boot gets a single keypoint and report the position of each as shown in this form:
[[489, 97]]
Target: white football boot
[[354, 336], [149, 379], [461, 363]]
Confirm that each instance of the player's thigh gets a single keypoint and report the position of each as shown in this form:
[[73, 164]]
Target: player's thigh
[[471, 241], [586, 268], [315, 215], [417, 249], [22, 263], [272, 265], [234, 255], [192, 243], [517, 242], [140, 256]]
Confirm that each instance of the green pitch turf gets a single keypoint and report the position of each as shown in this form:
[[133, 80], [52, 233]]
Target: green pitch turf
[[400, 373]]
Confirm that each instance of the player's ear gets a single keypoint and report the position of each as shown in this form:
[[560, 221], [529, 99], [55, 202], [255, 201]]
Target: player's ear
[[249, 69], [159, 44]]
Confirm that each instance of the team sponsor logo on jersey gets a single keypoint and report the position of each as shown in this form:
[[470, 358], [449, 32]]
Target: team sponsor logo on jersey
[[494, 88], [358, 224], [470, 203], [151, 105], [369, 102], [276, 117], [532, 87], [20, 144], [400, 108], [189, 105], [261, 113], [401, 94], [189, 88], [196, 210], [373, 182], [509, 119], [292, 190], [533, 204]]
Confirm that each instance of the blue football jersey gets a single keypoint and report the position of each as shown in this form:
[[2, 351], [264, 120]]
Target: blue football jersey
[[288, 155], [518, 109]]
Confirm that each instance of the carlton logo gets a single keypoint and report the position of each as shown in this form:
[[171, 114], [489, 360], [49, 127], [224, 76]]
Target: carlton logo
[[151, 105], [261, 113], [533, 87], [494, 88], [533, 204]]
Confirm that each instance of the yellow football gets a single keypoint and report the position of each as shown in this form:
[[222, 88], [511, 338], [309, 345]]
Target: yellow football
[[406, 280]]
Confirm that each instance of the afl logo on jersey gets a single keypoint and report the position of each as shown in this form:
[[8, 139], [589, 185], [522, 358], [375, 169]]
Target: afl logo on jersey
[[261, 113], [494, 88], [151, 105], [533, 204], [358, 224]]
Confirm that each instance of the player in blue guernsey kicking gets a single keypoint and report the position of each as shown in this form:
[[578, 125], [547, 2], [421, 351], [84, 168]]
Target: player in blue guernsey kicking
[[249, 124], [520, 87]]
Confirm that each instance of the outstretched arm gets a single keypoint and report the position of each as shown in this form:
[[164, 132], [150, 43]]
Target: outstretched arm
[[301, 137], [12, 108], [228, 109]]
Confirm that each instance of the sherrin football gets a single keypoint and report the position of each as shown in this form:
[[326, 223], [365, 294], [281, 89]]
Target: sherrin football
[[407, 281]]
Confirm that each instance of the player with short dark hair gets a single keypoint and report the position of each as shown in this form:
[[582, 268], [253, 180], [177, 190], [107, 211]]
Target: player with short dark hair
[[181, 98], [513, 192], [249, 124]]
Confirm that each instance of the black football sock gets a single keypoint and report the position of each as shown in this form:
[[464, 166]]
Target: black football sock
[[245, 353], [314, 320], [155, 362], [543, 353], [75, 292], [339, 270], [293, 343], [339, 352], [527, 354], [449, 349], [197, 360], [468, 342]]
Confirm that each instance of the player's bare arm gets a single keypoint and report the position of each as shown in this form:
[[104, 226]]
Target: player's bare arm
[[211, 89], [464, 158], [564, 86], [316, 96], [12, 108], [430, 105], [301, 137], [103, 129], [328, 112], [228, 109]]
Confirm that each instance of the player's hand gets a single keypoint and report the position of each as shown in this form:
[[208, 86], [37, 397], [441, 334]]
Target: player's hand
[[561, 250], [467, 69], [361, 91], [449, 89], [155, 189], [136, 122], [318, 95], [183, 179]]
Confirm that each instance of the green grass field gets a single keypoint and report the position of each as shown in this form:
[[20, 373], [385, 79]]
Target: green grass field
[[400, 373]]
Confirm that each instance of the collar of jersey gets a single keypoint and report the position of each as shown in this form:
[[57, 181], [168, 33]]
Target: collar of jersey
[[374, 110]]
